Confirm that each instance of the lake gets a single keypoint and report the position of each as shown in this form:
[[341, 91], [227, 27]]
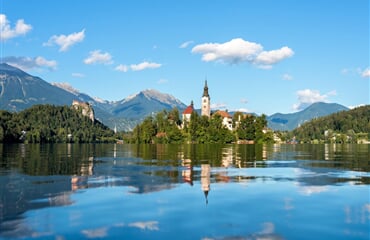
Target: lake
[[206, 192]]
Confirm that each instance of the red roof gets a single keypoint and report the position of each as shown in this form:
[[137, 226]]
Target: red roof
[[223, 114], [188, 110]]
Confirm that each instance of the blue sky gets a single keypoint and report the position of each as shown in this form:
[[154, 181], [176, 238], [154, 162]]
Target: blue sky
[[262, 56]]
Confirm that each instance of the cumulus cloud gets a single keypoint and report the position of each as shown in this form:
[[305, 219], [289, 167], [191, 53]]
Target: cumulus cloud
[[274, 56], [186, 44], [98, 57], [28, 63], [122, 68], [7, 32], [308, 96], [66, 41], [138, 67], [238, 51], [366, 73], [144, 65]]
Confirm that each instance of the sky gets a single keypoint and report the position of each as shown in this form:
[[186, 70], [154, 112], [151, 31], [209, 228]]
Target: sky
[[262, 56]]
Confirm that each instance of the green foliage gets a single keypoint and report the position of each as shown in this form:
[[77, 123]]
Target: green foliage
[[342, 127], [166, 127], [51, 124]]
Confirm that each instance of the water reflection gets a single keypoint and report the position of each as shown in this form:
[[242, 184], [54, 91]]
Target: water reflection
[[39, 177]]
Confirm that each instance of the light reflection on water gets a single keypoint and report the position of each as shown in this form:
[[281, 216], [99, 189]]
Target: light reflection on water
[[185, 191]]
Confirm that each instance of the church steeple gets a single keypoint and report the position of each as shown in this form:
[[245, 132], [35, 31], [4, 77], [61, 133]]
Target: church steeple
[[205, 90], [206, 101]]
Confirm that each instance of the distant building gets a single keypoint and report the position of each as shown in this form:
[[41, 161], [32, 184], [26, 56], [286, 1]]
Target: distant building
[[227, 120], [186, 114], [206, 102], [85, 108]]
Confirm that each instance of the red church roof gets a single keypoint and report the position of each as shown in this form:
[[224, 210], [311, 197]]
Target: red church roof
[[188, 110]]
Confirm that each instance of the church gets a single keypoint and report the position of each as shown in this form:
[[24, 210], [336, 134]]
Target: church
[[206, 110]]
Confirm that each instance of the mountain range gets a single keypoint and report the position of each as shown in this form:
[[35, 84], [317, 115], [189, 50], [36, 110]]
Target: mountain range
[[20, 90]]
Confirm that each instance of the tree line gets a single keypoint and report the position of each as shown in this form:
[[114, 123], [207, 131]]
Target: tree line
[[167, 127], [343, 127], [51, 124]]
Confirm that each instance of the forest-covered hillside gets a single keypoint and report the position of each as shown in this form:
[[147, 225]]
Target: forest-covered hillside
[[341, 127], [49, 123]]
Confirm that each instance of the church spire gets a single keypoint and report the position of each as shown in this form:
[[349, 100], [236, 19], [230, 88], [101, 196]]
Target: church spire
[[205, 91], [206, 101]]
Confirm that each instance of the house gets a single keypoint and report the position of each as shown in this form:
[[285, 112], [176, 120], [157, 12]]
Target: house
[[227, 120]]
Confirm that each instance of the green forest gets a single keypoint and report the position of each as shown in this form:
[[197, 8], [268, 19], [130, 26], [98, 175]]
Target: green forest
[[343, 127], [167, 127], [61, 124], [51, 124]]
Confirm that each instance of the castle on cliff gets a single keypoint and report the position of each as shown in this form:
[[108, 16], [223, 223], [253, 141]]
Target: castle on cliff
[[85, 108]]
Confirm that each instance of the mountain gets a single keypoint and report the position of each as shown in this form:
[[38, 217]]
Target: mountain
[[145, 103], [20, 90], [290, 121]]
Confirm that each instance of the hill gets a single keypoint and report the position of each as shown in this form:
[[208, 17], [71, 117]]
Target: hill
[[288, 122], [344, 126], [20, 90], [48, 123]]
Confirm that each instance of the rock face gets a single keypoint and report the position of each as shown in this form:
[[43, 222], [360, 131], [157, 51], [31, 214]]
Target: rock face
[[85, 109]]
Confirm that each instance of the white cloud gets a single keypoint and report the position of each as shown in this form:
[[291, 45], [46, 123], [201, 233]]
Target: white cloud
[[238, 51], [149, 225], [7, 32], [144, 65], [243, 110], [97, 56], [122, 68], [274, 56], [66, 41], [78, 75], [28, 63], [366, 73], [287, 77], [186, 44], [138, 67], [217, 106], [308, 96], [42, 62], [309, 190], [235, 51], [95, 233]]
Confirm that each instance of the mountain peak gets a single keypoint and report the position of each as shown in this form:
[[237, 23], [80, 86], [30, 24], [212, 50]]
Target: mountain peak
[[66, 86], [4, 67]]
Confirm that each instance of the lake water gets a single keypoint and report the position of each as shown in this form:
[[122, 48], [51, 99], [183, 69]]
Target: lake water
[[205, 192]]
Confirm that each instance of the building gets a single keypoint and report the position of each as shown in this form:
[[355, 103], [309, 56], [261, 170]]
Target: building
[[186, 114], [227, 120], [85, 109], [206, 102]]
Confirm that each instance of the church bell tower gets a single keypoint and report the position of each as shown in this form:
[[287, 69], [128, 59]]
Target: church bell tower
[[206, 102]]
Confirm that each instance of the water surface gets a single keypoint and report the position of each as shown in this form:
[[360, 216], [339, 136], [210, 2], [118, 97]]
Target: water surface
[[68, 191]]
